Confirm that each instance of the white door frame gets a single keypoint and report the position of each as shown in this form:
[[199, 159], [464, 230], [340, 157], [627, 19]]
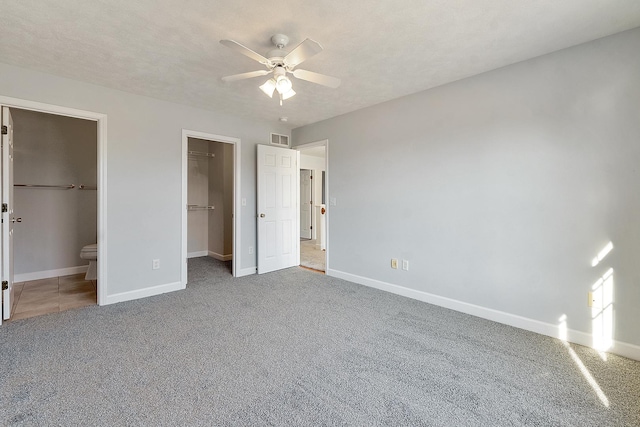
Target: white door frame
[[186, 134], [101, 120], [322, 143]]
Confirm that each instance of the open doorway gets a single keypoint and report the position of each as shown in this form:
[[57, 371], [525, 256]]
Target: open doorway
[[210, 201], [53, 223], [210, 183], [313, 172]]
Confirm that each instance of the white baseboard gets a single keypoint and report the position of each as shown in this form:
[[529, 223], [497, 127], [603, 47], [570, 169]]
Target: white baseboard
[[578, 337], [197, 254], [220, 257], [46, 274], [143, 293], [246, 271]]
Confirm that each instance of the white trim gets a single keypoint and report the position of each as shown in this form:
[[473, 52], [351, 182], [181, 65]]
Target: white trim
[[197, 254], [47, 274], [143, 293], [220, 257], [237, 208], [247, 271], [101, 119], [625, 349], [621, 348], [298, 246], [322, 143]]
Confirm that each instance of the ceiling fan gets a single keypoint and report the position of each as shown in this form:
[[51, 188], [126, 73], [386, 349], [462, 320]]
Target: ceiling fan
[[280, 63]]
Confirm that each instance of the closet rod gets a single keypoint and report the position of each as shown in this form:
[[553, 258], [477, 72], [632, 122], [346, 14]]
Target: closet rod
[[86, 187], [197, 207], [200, 153], [66, 187]]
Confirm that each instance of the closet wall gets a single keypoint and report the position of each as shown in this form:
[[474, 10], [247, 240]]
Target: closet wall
[[210, 183], [198, 194], [221, 196], [56, 223]]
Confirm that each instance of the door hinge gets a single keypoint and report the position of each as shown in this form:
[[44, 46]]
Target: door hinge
[[5, 285], [311, 227], [5, 207], [4, 130], [310, 176]]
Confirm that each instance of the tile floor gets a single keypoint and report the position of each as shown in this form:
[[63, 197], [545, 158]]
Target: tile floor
[[311, 256], [53, 295]]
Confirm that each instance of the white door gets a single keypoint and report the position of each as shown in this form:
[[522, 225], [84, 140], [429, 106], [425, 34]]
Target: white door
[[305, 204], [7, 217], [278, 208]]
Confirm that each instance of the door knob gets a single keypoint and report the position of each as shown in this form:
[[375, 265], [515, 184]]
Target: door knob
[[16, 219], [261, 215]]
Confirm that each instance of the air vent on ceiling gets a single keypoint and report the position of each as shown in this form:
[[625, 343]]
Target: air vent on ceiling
[[281, 140]]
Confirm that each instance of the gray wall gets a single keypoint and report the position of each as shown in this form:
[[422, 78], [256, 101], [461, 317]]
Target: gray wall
[[221, 196], [56, 224], [144, 171], [501, 188]]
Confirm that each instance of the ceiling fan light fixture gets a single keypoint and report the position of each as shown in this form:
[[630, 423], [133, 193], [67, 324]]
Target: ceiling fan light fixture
[[278, 63], [268, 87], [288, 94], [283, 84]]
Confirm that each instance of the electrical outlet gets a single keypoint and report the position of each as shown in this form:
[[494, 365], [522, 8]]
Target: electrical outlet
[[405, 264], [394, 263], [156, 264], [250, 250]]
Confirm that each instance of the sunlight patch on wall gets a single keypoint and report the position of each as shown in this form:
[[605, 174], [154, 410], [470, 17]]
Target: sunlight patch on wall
[[562, 327], [602, 312], [602, 254]]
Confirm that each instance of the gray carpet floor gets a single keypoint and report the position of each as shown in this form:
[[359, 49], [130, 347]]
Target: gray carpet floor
[[296, 347]]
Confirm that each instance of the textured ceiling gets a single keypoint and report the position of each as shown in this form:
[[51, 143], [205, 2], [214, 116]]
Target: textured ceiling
[[169, 49]]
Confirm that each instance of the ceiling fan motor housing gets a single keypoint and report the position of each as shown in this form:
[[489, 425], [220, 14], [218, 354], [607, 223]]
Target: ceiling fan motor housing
[[280, 40], [276, 56]]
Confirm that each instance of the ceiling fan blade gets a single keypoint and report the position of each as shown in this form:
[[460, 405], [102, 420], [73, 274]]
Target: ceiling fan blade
[[320, 79], [245, 51], [243, 76], [302, 52]]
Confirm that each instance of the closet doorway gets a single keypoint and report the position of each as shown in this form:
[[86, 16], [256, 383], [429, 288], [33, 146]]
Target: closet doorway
[[211, 180], [55, 212]]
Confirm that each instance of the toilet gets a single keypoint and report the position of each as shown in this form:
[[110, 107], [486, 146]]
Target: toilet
[[90, 253]]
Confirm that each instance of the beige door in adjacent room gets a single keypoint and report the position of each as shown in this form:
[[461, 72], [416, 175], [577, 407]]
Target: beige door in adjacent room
[[306, 204]]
